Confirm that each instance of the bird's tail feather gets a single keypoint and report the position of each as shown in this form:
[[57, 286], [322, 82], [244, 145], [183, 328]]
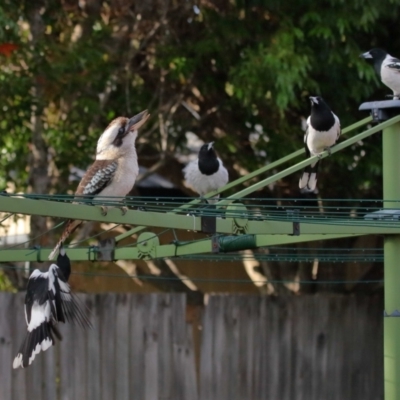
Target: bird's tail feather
[[308, 178], [39, 339], [70, 227]]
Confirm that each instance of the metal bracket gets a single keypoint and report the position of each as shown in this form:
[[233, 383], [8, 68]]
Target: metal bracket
[[92, 253], [106, 249], [215, 244], [147, 245], [381, 110], [395, 313], [238, 212], [293, 215], [208, 224], [38, 250]]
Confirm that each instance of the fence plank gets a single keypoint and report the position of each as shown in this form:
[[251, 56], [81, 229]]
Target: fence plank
[[257, 351], [301, 341], [206, 352], [35, 377], [93, 363], [50, 373], [184, 369], [137, 313], [79, 354], [66, 362], [188, 368], [19, 332], [230, 309], [122, 347], [107, 346], [166, 380], [6, 355], [263, 340], [151, 348]]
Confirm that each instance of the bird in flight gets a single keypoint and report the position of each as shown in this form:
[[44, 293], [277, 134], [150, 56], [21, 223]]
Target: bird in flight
[[48, 301]]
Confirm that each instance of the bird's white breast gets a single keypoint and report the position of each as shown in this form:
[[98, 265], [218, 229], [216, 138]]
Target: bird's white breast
[[318, 141], [124, 178], [390, 76], [203, 184]]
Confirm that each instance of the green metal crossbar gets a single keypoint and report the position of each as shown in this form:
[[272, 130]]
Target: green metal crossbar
[[281, 229], [227, 225], [203, 246]]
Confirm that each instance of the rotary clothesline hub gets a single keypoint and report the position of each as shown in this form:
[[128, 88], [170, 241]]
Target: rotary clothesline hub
[[381, 110]]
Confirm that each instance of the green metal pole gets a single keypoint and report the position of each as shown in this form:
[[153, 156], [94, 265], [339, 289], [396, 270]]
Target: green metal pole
[[391, 191]]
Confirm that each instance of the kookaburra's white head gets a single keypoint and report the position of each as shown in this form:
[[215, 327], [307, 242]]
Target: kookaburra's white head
[[119, 137]]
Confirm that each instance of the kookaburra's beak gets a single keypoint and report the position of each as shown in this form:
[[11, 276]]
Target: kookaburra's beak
[[137, 121]]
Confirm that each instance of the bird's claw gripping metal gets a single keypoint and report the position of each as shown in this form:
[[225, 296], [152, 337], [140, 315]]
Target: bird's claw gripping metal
[[123, 209], [103, 210]]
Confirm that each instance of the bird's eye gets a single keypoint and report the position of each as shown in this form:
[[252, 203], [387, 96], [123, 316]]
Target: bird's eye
[[121, 130]]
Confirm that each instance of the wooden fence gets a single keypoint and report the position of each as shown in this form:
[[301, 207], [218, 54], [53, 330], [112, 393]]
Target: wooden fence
[[251, 347]]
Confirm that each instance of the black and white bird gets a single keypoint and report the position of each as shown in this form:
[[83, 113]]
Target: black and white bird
[[387, 67], [114, 170], [207, 173], [323, 130], [48, 301]]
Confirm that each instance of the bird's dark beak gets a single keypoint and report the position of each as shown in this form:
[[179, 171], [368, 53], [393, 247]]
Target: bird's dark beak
[[366, 55], [137, 121]]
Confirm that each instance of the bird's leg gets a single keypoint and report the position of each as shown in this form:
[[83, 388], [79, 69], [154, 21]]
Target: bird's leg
[[104, 210], [329, 150], [123, 209]]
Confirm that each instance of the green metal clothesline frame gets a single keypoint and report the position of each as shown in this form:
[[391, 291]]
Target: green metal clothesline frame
[[264, 233], [256, 233]]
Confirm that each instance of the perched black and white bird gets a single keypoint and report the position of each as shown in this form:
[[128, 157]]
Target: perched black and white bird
[[323, 130], [48, 301], [387, 67], [207, 173], [114, 170]]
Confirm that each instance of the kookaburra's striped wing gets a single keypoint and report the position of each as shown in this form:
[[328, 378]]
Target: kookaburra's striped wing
[[96, 178]]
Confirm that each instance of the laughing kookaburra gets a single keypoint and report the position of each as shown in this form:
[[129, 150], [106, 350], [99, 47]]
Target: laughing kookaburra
[[115, 168]]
